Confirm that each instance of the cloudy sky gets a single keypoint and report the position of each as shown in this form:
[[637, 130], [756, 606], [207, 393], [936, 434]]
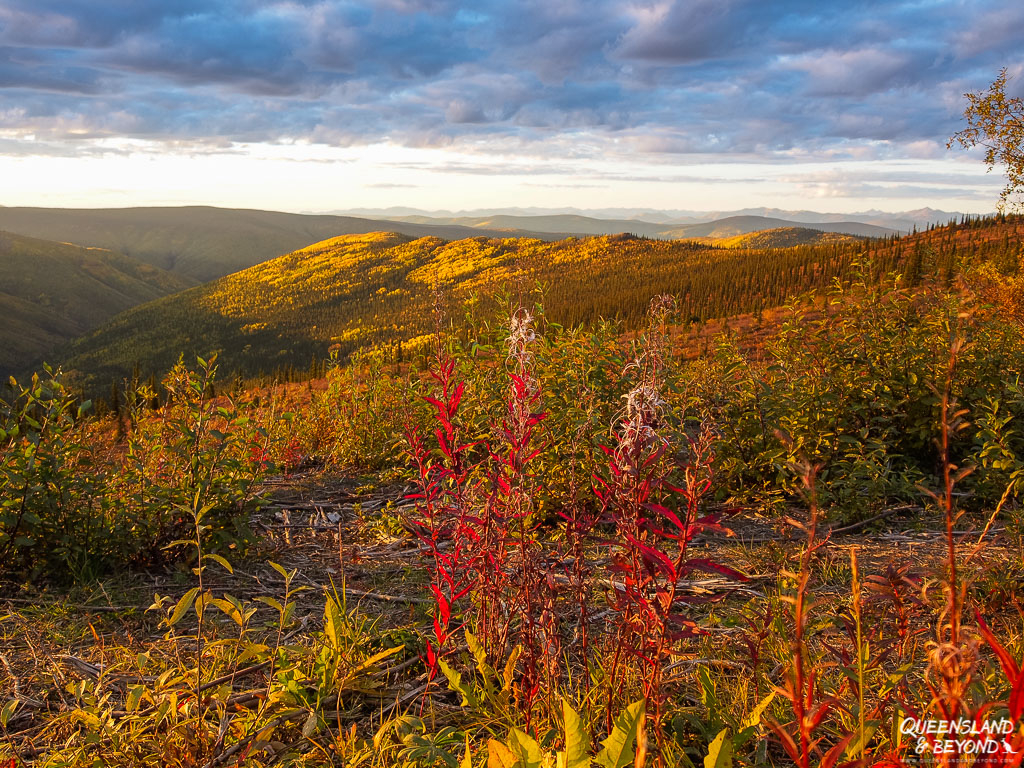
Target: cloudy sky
[[334, 104]]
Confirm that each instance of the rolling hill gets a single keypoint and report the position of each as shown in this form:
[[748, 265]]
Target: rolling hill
[[52, 292], [564, 223], [361, 290], [783, 237], [358, 291], [742, 225], [903, 221], [204, 243]]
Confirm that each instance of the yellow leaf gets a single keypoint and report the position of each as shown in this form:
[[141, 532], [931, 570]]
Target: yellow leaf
[[498, 755]]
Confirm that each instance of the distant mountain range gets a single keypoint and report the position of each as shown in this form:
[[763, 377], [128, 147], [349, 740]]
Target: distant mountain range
[[903, 221], [732, 226], [575, 224]]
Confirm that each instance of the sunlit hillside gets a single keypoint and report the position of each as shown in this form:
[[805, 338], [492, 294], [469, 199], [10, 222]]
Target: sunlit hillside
[[359, 290]]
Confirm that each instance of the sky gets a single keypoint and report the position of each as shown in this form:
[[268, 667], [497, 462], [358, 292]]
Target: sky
[[335, 104]]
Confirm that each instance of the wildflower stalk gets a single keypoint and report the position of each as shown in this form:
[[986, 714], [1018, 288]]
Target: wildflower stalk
[[953, 656], [799, 739], [512, 503], [652, 539], [858, 623]]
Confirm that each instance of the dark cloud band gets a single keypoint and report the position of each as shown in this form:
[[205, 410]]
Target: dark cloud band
[[656, 76]]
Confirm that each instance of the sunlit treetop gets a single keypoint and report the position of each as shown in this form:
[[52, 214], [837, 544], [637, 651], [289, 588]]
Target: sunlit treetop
[[995, 121]]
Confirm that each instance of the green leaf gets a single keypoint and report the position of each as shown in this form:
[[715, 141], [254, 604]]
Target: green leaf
[[618, 747], [477, 649], [280, 569], [455, 682], [180, 543], [183, 605], [577, 739], [271, 601], [8, 712], [332, 622], [131, 702], [754, 718], [222, 561], [229, 609], [508, 673], [377, 657], [857, 746], [719, 751], [749, 725], [526, 750], [402, 727]]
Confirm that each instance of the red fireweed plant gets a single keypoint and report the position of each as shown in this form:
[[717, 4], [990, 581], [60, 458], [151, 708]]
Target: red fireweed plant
[[894, 595], [443, 520], [652, 560], [753, 640]]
